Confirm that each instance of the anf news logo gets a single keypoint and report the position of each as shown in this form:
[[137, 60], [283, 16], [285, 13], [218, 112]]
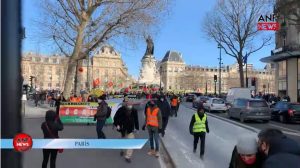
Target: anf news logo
[[268, 22], [22, 142]]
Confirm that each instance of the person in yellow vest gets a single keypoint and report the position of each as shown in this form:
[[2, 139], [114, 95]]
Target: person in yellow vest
[[198, 128], [153, 121]]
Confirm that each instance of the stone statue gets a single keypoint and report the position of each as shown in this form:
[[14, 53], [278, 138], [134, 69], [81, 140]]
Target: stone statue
[[150, 46], [148, 71]]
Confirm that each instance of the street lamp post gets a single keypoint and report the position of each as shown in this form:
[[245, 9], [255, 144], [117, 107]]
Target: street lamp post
[[220, 65], [246, 63], [215, 87], [76, 76], [206, 88]]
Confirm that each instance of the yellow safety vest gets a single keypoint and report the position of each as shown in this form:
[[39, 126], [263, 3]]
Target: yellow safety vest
[[199, 125]]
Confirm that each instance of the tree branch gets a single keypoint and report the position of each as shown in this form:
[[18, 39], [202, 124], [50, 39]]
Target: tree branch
[[60, 48]]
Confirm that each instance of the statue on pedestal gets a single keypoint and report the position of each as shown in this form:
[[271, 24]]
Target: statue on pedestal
[[148, 72], [150, 46]]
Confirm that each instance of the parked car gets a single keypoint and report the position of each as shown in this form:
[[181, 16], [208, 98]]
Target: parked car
[[190, 97], [215, 104], [235, 93], [250, 109], [197, 94], [285, 111], [199, 100]]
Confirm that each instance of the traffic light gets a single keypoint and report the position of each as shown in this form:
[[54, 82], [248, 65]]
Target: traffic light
[[215, 78], [30, 79], [253, 82]]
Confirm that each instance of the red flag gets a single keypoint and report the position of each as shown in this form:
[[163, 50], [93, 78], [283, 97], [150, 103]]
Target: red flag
[[96, 82], [110, 84]]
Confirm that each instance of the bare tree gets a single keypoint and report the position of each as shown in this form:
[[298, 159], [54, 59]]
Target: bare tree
[[233, 25], [79, 27]]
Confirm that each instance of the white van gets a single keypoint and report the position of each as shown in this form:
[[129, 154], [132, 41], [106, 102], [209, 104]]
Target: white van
[[234, 93]]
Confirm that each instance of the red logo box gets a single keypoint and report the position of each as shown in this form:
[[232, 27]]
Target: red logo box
[[271, 26]]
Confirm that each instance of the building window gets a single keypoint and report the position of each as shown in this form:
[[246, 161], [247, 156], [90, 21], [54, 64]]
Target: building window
[[57, 85], [282, 68], [46, 60], [49, 84], [37, 59], [282, 85], [54, 61]]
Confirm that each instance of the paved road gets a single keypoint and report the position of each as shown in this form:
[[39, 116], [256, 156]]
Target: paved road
[[291, 129], [178, 142], [83, 158], [219, 142]]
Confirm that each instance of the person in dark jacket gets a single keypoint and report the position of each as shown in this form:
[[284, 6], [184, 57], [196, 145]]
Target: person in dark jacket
[[126, 121], [198, 128], [50, 129], [245, 154], [165, 109], [57, 101], [280, 151], [100, 116]]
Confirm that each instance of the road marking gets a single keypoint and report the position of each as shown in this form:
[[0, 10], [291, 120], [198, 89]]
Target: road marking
[[285, 128], [292, 133], [230, 121]]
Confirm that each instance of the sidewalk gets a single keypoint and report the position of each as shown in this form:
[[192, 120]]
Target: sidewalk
[[35, 112], [84, 158]]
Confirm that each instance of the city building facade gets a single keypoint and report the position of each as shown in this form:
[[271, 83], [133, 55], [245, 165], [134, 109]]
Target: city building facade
[[286, 55], [48, 72], [177, 76], [106, 70]]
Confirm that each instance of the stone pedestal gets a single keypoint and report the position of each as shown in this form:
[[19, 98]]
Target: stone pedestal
[[149, 73]]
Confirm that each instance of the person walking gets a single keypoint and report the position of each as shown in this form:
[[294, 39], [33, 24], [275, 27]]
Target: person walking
[[245, 154], [174, 104], [57, 102], [36, 98], [165, 109], [103, 112], [199, 128], [178, 103], [127, 123], [279, 150], [50, 129], [153, 122]]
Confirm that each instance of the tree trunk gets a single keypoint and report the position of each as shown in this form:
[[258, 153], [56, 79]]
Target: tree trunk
[[69, 79], [241, 71], [73, 61]]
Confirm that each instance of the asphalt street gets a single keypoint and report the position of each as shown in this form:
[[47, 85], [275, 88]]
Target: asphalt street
[[34, 116], [219, 142], [290, 129], [177, 141]]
